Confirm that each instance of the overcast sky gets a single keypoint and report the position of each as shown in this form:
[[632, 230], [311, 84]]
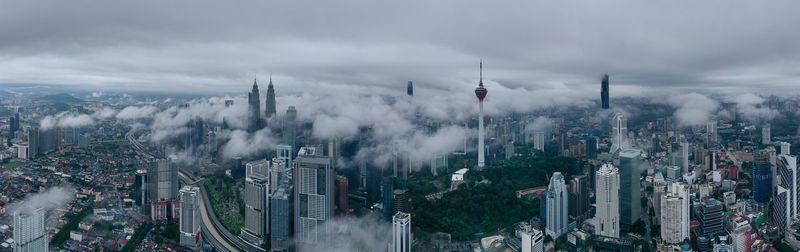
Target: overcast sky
[[553, 47]]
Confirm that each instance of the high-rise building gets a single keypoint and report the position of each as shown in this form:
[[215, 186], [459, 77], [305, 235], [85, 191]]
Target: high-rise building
[[710, 216], [619, 132], [629, 187], [765, 134], [401, 201], [659, 184], [591, 148], [762, 177], [190, 217], [785, 204], [254, 109], [290, 129], [342, 205], [280, 217], [140, 185], [284, 153], [256, 210], [711, 133], [270, 103], [29, 232], [532, 241], [480, 92], [604, 92], [685, 157], [410, 89], [401, 232], [557, 206], [675, 213], [260, 167], [579, 196], [786, 148], [538, 140], [33, 142], [162, 178], [607, 197], [313, 194]]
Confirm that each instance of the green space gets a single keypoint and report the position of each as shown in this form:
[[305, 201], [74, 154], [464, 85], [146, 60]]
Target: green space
[[486, 201], [74, 219], [226, 200], [137, 237]]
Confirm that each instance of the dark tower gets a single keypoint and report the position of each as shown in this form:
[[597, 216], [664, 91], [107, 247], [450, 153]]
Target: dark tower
[[410, 89], [604, 92], [254, 101], [270, 110]]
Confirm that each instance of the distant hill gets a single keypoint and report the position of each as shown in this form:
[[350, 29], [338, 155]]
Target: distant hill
[[60, 98]]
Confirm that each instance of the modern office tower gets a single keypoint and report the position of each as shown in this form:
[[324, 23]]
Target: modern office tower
[[33, 142], [410, 89], [607, 197], [538, 140], [659, 184], [23, 152], [786, 148], [629, 187], [342, 206], [557, 206], [256, 210], [213, 144], [270, 103], [190, 217], [710, 216], [162, 178], [762, 177], [765, 134], [195, 133], [290, 129], [140, 185], [591, 148], [711, 133], [786, 205], [604, 92], [284, 153], [532, 241], [480, 92], [254, 109], [280, 217], [29, 232], [401, 201], [277, 173], [387, 192], [684, 157], [674, 173], [313, 194], [260, 167], [619, 132], [675, 213], [401, 232], [579, 196]]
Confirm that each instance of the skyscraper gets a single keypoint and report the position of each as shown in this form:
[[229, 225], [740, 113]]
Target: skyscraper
[[538, 140], [256, 210], [162, 177], [786, 205], [33, 142], [480, 92], [557, 206], [765, 134], [410, 89], [29, 232], [578, 196], [684, 157], [619, 132], [270, 108], [532, 241], [607, 197], [342, 205], [762, 177], [401, 232], [254, 102], [604, 92], [280, 217], [629, 187], [190, 217], [290, 129], [313, 194], [675, 213], [710, 216]]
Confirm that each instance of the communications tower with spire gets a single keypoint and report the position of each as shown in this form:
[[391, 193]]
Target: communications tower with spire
[[480, 92]]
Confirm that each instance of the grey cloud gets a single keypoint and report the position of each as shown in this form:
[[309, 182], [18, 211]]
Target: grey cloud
[[50, 199], [693, 109], [134, 112]]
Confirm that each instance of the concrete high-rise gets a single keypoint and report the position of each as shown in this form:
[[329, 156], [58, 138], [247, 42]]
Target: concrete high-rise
[[785, 204], [410, 89], [786, 148], [579, 196], [710, 216], [557, 206], [675, 213], [532, 240], [619, 132], [481, 92], [270, 108], [685, 157], [604, 92], [190, 217], [280, 217], [711, 133], [290, 129], [162, 177], [401, 232], [29, 232], [538, 140], [762, 177], [766, 137], [629, 187], [313, 194], [254, 109], [607, 198], [256, 210]]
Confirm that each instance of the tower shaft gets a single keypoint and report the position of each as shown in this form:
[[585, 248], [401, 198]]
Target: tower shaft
[[481, 148]]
